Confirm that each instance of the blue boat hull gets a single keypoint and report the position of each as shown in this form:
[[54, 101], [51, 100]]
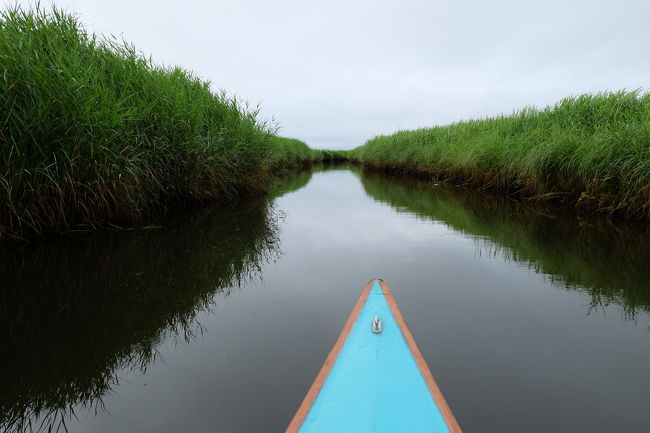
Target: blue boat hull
[[375, 382]]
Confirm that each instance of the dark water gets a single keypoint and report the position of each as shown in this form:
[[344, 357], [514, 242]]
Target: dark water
[[219, 321]]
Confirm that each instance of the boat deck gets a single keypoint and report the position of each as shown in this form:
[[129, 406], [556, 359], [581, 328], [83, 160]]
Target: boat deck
[[375, 382]]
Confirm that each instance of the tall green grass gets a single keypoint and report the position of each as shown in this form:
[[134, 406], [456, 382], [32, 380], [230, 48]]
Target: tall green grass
[[93, 132], [331, 155], [591, 151], [291, 152]]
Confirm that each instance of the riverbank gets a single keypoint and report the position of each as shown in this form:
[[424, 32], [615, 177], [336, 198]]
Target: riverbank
[[94, 133], [590, 152], [291, 153]]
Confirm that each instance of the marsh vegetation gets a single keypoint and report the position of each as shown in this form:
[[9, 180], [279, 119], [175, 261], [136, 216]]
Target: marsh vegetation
[[94, 133], [590, 152]]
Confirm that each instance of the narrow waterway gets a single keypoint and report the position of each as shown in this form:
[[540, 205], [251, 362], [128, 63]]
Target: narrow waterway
[[218, 320]]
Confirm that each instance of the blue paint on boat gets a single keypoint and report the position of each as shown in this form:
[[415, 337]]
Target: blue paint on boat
[[375, 384]]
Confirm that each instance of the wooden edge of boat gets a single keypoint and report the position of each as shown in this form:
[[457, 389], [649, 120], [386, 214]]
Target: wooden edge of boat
[[310, 398], [324, 372], [446, 412]]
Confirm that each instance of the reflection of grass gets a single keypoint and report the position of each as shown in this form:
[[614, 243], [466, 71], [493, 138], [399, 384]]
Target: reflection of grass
[[290, 181], [293, 180], [75, 311], [608, 261], [591, 151], [293, 153]]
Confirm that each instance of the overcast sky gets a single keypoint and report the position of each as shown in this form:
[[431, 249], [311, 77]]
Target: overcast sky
[[335, 73]]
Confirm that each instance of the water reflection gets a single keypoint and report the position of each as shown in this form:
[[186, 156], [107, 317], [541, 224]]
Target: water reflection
[[294, 180], [607, 259], [73, 312], [290, 181]]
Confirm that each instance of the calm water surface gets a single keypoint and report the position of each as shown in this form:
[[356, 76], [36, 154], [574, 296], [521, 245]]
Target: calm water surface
[[220, 320]]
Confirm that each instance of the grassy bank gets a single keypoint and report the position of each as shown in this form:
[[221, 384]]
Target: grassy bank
[[293, 153], [94, 133], [591, 152]]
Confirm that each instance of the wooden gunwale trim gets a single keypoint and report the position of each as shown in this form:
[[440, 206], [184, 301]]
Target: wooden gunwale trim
[[310, 398], [446, 412]]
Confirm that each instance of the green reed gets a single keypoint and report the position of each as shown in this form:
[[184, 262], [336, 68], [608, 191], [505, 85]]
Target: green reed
[[92, 132], [291, 152], [590, 151]]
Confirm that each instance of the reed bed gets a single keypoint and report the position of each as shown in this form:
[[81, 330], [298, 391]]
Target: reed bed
[[94, 133], [291, 152], [591, 152]]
